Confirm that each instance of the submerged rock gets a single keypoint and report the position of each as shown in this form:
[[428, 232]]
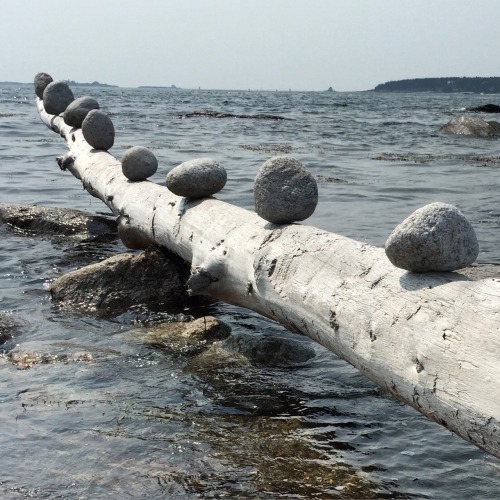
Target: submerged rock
[[471, 126], [436, 237], [486, 108], [77, 110], [41, 81], [98, 130], [57, 96], [52, 221], [197, 178], [139, 163], [284, 191], [118, 282]]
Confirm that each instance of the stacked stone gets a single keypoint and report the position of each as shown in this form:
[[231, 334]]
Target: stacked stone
[[434, 238], [41, 81], [197, 178], [284, 191], [56, 97], [98, 130], [77, 111], [139, 163]]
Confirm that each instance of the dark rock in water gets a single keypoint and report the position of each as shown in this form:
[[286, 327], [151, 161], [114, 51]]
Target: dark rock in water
[[77, 110], [197, 178], [98, 130], [41, 81], [284, 191], [121, 281], [139, 163], [51, 221], [470, 126], [9, 326], [486, 108], [188, 337], [57, 96], [436, 237]]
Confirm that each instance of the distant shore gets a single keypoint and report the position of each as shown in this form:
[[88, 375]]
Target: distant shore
[[475, 85]]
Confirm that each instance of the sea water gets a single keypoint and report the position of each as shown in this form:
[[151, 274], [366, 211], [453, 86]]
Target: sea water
[[96, 412]]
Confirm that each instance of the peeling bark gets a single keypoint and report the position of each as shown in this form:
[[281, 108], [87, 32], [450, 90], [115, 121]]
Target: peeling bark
[[433, 340]]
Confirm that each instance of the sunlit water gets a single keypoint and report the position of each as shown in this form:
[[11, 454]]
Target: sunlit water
[[103, 414]]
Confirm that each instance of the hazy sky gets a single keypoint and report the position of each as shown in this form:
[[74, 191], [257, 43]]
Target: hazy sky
[[249, 44]]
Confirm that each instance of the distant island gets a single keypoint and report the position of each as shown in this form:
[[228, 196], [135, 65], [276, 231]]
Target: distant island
[[157, 87], [476, 84], [93, 84]]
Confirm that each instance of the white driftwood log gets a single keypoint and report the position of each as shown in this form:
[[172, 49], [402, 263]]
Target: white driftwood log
[[433, 341]]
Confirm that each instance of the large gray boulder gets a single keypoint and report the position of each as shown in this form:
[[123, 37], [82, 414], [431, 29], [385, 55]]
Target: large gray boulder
[[41, 81], [284, 191], [77, 110], [139, 163], [56, 97], [98, 130], [436, 237], [197, 178], [470, 126]]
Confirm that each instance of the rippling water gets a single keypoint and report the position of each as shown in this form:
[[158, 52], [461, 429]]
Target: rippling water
[[102, 413]]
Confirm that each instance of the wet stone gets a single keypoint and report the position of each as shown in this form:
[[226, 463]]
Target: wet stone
[[56, 97], [470, 126], [139, 163], [41, 81], [284, 191], [436, 237], [98, 130], [77, 110], [197, 178]]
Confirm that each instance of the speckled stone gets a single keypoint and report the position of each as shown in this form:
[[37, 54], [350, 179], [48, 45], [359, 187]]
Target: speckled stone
[[197, 178], [139, 163], [436, 237], [98, 130], [41, 81], [284, 191], [470, 126], [56, 97], [77, 110]]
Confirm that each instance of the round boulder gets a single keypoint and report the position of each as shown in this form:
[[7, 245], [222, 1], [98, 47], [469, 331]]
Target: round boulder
[[284, 191], [436, 237], [139, 163], [41, 81], [98, 130], [470, 126], [197, 178], [77, 110], [56, 97]]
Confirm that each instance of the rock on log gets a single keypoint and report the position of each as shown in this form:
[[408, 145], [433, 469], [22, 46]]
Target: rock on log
[[431, 340]]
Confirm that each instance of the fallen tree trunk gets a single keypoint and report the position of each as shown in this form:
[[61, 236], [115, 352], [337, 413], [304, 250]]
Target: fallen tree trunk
[[433, 340]]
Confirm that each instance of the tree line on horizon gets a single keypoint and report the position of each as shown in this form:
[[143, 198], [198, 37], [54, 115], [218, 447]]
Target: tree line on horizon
[[476, 84]]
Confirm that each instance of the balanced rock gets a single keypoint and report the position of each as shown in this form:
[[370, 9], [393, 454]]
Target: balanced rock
[[41, 81], [56, 97], [284, 191], [197, 178], [98, 130], [139, 163], [77, 110], [436, 237], [470, 126]]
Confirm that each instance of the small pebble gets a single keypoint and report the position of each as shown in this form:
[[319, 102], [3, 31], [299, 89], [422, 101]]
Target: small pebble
[[197, 178], [139, 163], [98, 130], [284, 191], [77, 110], [41, 81], [56, 97], [436, 237]]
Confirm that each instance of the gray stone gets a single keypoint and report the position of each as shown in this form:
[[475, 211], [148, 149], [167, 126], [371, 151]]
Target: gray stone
[[284, 191], [77, 110], [98, 130], [56, 97], [470, 126], [197, 178], [139, 163], [436, 237], [41, 81]]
